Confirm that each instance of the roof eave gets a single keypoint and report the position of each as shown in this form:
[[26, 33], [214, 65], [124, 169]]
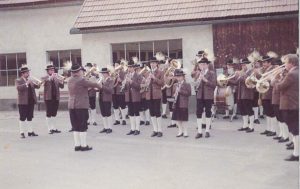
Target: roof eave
[[182, 23]]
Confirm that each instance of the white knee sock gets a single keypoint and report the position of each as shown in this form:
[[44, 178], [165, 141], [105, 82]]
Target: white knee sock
[[142, 116], [274, 124], [132, 123], [116, 114], [199, 125], [268, 123], [184, 126], [245, 121], [296, 145], [291, 137], [29, 126], [203, 118], [251, 119], [109, 122], [154, 124], [22, 126], [83, 139], [234, 109], [179, 124], [285, 131], [147, 115], [172, 121], [226, 112], [261, 110], [159, 128], [76, 138], [280, 126], [137, 123], [123, 112], [255, 109], [48, 120], [208, 123], [93, 115], [164, 109], [104, 122]]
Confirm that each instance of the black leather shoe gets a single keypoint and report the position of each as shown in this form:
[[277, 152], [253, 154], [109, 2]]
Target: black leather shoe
[[256, 121], [292, 158], [271, 134], [159, 134], [51, 132], [103, 131], [235, 117], [172, 126], [22, 135], [249, 130], [262, 117], [265, 132], [77, 148], [164, 116], [290, 144], [32, 134], [180, 135], [185, 136], [203, 126], [207, 135], [147, 123], [225, 117], [127, 116], [56, 131], [123, 122], [198, 136], [130, 132], [87, 148], [154, 134], [291, 147], [136, 132], [277, 138], [117, 123], [142, 122], [108, 131], [243, 129], [282, 140], [94, 123], [88, 123]]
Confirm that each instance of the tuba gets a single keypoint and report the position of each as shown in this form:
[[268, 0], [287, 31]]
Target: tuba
[[174, 64]]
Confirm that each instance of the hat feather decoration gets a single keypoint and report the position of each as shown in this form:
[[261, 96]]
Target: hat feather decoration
[[160, 56], [272, 54], [67, 65], [254, 56], [235, 60], [135, 59]]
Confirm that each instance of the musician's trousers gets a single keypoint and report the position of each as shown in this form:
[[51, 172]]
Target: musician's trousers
[[278, 113], [133, 108], [105, 108], [92, 102], [291, 118], [246, 107], [118, 101], [79, 118], [268, 108], [154, 107], [51, 107], [26, 111], [164, 96], [204, 103]]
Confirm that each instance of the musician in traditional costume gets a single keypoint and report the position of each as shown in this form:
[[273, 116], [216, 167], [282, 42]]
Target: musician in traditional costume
[[105, 100], [52, 84], [207, 82], [119, 103], [78, 106], [182, 92], [90, 75], [26, 86], [289, 100], [144, 71], [245, 95], [154, 96], [132, 87]]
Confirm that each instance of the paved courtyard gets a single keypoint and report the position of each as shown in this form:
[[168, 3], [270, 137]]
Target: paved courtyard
[[227, 160]]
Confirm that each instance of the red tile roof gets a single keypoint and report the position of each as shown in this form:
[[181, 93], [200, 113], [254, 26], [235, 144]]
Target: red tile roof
[[118, 13]]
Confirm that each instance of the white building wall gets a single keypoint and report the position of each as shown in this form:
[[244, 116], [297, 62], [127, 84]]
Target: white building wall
[[96, 47], [36, 31]]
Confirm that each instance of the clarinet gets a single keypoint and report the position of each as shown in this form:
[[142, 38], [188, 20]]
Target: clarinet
[[176, 96]]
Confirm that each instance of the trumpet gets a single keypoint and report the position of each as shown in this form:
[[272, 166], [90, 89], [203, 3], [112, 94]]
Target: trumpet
[[222, 80], [59, 77], [36, 81], [251, 81], [127, 77]]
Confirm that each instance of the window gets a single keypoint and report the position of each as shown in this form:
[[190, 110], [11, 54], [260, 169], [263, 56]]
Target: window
[[59, 58], [147, 49], [9, 66]]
